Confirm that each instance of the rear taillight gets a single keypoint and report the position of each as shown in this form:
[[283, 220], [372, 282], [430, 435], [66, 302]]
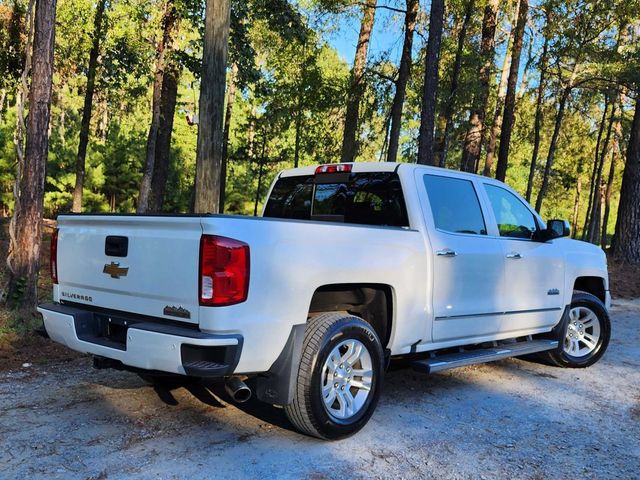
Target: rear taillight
[[53, 258], [224, 271]]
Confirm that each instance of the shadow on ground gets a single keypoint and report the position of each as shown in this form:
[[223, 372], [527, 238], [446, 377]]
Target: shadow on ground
[[509, 419]]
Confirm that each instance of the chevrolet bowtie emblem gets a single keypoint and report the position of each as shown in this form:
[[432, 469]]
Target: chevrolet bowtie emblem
[[115, 270]]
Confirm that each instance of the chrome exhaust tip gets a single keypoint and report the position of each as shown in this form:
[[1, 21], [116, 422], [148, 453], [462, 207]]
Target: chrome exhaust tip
[[237, 389]]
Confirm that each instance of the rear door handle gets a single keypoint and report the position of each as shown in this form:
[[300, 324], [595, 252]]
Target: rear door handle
[[446, 252], [515, 255]]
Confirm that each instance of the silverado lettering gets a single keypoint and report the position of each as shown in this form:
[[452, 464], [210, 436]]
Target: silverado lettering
[[76, 296]]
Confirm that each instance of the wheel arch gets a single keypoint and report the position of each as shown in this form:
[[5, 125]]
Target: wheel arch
[[373, 302], [591, 284]]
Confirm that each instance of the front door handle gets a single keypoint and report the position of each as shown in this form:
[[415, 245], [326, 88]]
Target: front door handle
[[515, 255], [446, 252]]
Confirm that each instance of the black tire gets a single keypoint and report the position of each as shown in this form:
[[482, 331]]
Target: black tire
[[323, 333], [560, 358]]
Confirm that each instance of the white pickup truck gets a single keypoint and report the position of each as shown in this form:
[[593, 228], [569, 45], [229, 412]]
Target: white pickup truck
[[350, 265]]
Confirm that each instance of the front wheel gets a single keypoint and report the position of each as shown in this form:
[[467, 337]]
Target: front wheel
[[339, 377], [587, 335]]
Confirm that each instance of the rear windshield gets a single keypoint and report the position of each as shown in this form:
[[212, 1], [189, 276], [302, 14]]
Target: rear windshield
[[362, 198]]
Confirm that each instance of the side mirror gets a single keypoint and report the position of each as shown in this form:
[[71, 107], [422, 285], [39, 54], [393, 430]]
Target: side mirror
[[557, 229]]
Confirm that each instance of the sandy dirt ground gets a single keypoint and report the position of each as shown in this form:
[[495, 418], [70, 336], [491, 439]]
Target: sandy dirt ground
[[508, 419]]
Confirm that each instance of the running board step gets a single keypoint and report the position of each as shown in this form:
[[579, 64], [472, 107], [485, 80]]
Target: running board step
[[470, 357]]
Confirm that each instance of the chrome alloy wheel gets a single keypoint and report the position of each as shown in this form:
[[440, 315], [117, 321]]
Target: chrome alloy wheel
[[347, 376], [583, 332]]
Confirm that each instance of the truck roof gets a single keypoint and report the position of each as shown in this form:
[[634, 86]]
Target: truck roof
[[361, 167]]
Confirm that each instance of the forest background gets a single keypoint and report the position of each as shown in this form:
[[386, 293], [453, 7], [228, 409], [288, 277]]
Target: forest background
[[541, 94]]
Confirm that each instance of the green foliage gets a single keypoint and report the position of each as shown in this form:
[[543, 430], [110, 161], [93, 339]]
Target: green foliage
[[292, 90], [7, 162], [12, 42], [20, 287], [302, 86]]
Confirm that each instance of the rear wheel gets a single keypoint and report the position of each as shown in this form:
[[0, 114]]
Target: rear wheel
[[587, 335], [339, 377]]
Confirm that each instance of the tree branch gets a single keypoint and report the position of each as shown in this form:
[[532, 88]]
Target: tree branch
[[384, 7], [383, 76]]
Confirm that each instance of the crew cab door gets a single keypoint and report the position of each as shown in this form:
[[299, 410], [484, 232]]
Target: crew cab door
[[534, 270], [467, 263]]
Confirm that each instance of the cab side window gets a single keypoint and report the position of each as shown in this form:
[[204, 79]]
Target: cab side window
[[514, 219], [454, 205]]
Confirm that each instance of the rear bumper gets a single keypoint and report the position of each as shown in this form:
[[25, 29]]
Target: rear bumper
[[143, 343]]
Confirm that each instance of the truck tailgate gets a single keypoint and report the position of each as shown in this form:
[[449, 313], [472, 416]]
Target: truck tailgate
[[148, 266]]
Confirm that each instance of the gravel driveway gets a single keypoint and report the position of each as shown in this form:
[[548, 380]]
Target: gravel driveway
[[508, 419]]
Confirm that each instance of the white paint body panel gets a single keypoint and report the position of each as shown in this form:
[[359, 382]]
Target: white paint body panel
[[437, 302]]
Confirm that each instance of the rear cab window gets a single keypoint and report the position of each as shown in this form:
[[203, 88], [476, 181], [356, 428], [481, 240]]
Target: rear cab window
[[368, 198]]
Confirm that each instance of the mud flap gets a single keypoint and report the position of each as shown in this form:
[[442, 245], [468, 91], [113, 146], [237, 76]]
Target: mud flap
[[560, 330], [277, 385]]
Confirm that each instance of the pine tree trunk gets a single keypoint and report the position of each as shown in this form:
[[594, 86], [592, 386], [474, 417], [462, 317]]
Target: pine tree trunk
[[3, 96], [626, 241], [497, 117], [596, 211], [22, 94], [231, 99], [356, 89], [103, 124], [213, 83], [251, 134], [404, 72], [510, 98], [473, 137], [168, 100], [449, 107], [300, 102], [593, 230], [537, 126], [576, 207], [298, 135], [552, 148], [88, 106], [168, 23], [385, 143], [594, 170], [260, 171], [430, 85], [524, 81], [26, 224], [612, 172]]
